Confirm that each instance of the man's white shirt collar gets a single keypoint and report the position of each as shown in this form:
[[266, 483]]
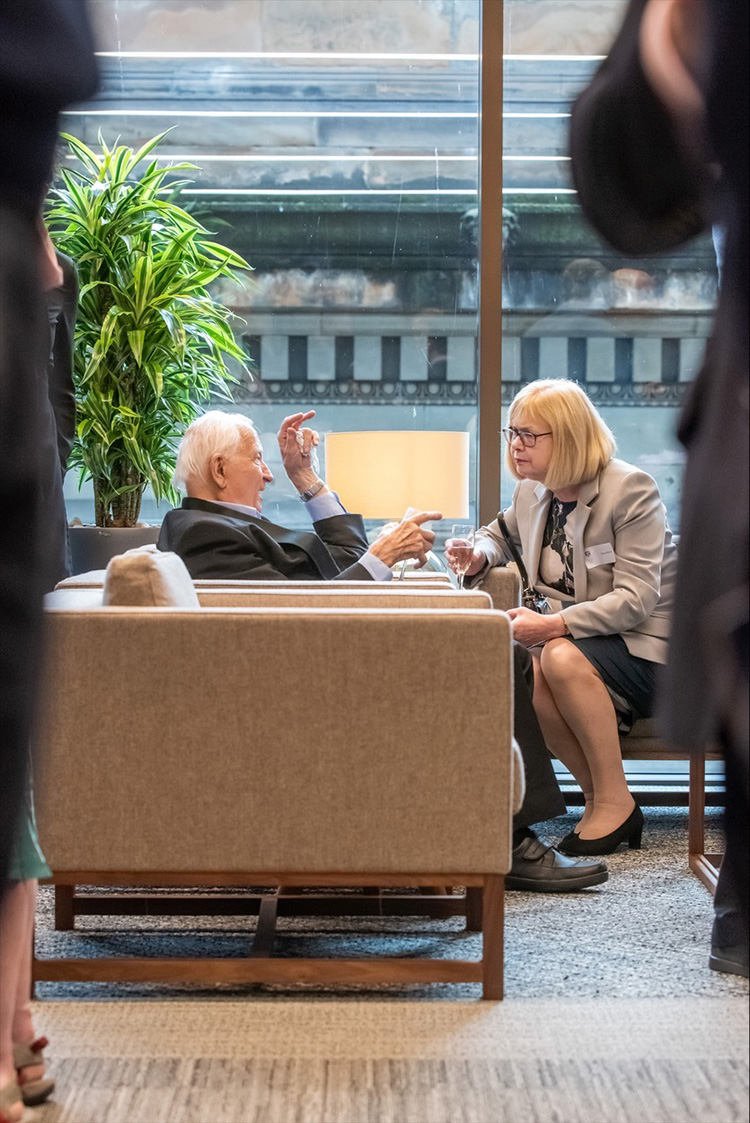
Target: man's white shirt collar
[[241, 507]]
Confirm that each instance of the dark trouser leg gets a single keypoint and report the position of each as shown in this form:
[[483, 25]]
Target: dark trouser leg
[[730, 928], [53, 515], [543, 799]]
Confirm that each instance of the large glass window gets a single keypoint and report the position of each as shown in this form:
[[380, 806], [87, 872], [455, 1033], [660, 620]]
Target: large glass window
[[337, 141]]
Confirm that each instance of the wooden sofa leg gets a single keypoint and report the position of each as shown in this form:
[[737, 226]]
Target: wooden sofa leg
[[65, 916], [697, 804], [703, 866], [473, 909], [493, 921]]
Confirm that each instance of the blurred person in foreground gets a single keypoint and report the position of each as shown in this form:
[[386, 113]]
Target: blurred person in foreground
[[659, 145], [592, 534], [46, 63]]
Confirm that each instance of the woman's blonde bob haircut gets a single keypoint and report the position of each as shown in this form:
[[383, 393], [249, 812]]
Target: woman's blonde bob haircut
[[582, 443]]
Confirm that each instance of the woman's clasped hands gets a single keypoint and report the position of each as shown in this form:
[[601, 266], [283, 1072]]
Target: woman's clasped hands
[[532, 629]]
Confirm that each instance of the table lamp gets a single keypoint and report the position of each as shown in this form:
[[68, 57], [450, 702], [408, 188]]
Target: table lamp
[[380, 474]]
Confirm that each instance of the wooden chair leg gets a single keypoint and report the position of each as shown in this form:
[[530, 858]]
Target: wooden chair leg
[[697, 804], [703, 866], [65, 916], [493, 922], [473, 909]]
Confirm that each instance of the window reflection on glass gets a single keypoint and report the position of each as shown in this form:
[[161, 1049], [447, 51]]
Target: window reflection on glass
[[337, 144], [632, 331]]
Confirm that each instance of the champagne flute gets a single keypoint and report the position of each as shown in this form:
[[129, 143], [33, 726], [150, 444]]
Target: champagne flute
[[461, 545]]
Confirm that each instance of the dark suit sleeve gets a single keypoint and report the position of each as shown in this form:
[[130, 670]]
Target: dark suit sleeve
[[346, 542], [214, 549], [354, 572], [60, 367], [215, 546], [344, 536]]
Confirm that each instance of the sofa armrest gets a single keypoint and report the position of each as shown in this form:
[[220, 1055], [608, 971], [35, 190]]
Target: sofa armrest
[[504, 586]]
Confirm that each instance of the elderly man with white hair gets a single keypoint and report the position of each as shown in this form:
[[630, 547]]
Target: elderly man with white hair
[[219, 530]]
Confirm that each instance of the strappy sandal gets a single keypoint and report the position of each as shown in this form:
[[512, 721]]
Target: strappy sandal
[[10, 1095], [33, 1092]]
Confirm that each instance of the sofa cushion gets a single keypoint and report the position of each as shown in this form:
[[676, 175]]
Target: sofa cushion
[[151, 578]]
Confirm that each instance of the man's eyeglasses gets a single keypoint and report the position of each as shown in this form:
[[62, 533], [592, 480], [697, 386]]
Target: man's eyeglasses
[[528, 440]]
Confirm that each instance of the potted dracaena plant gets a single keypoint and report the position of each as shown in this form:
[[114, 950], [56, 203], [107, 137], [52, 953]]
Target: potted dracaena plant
[[150, 342]]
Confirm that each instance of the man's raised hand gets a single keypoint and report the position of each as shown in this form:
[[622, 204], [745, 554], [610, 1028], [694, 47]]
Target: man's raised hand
[[296, 443]]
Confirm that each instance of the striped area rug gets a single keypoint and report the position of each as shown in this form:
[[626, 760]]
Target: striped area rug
[[291, 1061]]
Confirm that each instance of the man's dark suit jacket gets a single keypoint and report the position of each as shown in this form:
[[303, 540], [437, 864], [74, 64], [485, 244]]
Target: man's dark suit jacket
[[215, 541], [62, 306], [59, 420]]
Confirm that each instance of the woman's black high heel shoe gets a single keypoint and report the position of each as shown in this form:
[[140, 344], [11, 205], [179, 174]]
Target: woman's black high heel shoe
[[630, 831]]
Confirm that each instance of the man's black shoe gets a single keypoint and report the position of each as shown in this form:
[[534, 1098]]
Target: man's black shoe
[[732, 961], [539, 868]]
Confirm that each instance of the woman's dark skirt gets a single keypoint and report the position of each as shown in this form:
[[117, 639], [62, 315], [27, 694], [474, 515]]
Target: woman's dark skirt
[[629, 679]]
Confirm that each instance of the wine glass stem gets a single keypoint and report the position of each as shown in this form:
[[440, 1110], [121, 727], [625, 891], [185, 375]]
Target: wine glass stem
[[461, 581]]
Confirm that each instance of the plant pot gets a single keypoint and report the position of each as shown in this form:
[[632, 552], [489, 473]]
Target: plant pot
[[92, 547]]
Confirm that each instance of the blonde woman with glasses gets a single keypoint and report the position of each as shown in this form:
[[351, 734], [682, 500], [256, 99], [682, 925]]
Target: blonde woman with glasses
[[593, 535]]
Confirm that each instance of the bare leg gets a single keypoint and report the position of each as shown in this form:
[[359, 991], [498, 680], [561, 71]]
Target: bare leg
[[12, 934], [23, 1028], [561, 740], [584, 703]]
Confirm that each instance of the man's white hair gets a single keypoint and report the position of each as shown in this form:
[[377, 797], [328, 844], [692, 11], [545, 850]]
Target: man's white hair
[[215, 433]]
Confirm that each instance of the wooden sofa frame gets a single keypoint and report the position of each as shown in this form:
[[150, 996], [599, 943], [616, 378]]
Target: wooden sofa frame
[[486, 910]]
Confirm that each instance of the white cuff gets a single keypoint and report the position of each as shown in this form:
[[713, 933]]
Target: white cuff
[[377, 568]]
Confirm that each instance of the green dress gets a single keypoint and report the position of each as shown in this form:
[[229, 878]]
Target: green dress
[[28, 861]]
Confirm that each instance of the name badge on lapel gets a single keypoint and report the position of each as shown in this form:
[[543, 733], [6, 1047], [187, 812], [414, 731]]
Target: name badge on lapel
[[599, 555]]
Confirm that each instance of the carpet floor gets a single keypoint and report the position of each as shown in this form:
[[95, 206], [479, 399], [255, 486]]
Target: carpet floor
[[610, 1015]]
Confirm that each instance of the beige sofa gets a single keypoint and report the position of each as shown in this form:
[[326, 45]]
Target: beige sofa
[[238, 745]]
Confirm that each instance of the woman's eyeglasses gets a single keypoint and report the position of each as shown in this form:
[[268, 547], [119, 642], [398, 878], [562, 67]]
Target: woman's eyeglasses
[[527, 439]]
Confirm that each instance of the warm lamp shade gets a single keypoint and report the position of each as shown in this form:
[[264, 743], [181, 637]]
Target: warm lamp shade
[[379, 475]]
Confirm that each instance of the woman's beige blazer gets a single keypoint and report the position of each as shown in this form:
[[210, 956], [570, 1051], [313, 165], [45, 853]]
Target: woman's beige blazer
[[624, 557]]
